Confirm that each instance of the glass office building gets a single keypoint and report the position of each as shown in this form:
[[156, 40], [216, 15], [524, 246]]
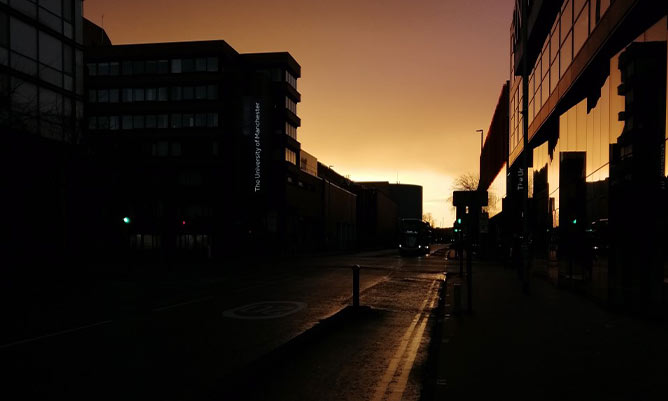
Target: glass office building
[[596, 110], [41, 110]]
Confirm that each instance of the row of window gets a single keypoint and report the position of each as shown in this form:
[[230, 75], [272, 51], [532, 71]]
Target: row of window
[[56, 14], [162, 94], [291, 105], [570, 30], [291, 131], [290, 79], [149, 121], [165, 66], [290, 156], [25, 48], [183, 241]]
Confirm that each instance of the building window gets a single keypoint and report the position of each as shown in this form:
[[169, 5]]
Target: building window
[[138, 94], [114, 123], [138, 122], [127, 95], [200, 64], [188, 65], [291, 131], [212, 119], [177, 93], [200, 120], [212, 64], [188, 93], [126, 67], [114, 68], [138, 67], [290, 156], [162, 94], [290, 79], [126, 122], [163, 121], [176, 120], [290, 105], [103, 96], [176, 66], [23, 38], [151, 94], [200, 92], [163, 66]]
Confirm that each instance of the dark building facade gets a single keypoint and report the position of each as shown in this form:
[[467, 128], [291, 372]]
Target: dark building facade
[[493, 177], [41, 105], [408, 197], [594, 88], [196, 144]]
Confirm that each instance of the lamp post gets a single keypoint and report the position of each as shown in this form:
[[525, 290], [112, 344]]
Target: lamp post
[[481, 131]]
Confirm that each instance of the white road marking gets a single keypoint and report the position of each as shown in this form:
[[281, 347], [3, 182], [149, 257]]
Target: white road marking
[[58, 333]]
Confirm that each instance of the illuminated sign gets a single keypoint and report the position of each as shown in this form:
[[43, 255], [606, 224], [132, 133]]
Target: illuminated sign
[[258, 149]]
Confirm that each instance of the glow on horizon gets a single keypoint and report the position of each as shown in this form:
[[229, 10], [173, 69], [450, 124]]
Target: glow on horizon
[[387, 85], [436, 189]]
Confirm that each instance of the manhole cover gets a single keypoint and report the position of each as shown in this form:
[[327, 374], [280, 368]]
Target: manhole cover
[[265, 310]]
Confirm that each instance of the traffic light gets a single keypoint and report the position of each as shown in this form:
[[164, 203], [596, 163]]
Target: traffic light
[[575, 221], [183, 222], [127, 220]]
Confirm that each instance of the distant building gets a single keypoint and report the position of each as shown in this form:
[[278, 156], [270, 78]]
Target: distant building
[[594, 91], [407, 197], [41, 106], [198, 145]]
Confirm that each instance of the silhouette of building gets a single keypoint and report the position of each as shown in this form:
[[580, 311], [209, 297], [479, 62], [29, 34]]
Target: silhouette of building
[[493, 166], [408, 197], [197, 145], [595, 100], [41, 105]]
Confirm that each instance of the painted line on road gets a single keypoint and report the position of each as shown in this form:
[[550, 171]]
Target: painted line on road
[[384, 383], [58, 333], [398, 391], [192, 301]]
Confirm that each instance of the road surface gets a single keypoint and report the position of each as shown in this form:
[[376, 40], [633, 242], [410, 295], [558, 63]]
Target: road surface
[[275, 332]]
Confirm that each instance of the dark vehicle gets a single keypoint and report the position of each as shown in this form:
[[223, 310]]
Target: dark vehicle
[[414, 237]]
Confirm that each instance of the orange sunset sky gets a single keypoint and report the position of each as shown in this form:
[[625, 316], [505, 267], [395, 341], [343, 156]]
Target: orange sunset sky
[[390, 88]]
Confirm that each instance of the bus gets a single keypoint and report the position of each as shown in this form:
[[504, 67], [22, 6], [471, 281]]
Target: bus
[[414, 237]]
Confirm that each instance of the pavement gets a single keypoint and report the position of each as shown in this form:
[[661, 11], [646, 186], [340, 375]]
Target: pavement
[[549, 345]]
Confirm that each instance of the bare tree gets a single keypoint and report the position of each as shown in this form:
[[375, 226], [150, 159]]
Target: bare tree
[[428, 218], [466, 182]]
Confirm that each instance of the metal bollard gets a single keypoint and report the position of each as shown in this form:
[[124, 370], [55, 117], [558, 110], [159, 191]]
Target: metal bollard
[[457, 287], [356, 286]]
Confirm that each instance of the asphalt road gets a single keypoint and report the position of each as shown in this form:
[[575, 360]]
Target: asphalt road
[[266, 332]]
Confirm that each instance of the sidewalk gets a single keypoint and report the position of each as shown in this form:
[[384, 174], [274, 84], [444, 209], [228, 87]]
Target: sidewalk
[[550, 345]]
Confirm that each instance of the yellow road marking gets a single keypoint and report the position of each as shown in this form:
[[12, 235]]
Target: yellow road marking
[[381, 388]]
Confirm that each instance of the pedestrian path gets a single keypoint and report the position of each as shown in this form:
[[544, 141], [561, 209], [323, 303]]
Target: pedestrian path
[[550, 345]]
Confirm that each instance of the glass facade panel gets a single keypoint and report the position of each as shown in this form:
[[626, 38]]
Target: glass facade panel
[[580, 32], [23, 38], [566, 54]]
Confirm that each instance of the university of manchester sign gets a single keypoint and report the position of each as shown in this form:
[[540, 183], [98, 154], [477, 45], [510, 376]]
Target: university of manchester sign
[[258, 150]]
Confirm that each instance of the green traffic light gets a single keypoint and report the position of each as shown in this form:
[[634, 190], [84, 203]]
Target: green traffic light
[[575, 221], [126, 220], [459, 221]]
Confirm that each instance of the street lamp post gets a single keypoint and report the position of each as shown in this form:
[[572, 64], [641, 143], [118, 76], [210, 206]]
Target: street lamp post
[[481, 131]]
